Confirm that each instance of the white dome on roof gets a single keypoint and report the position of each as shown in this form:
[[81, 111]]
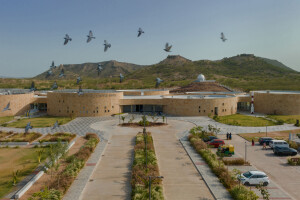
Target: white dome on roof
[[200, 78]]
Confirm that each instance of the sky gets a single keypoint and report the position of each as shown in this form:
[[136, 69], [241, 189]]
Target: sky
[[32, 31]]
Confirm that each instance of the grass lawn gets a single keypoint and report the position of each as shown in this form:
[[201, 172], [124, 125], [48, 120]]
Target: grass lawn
[[289, 119], [5, 119], [12, 159], [244, 120], [40, 122], [281, 135]]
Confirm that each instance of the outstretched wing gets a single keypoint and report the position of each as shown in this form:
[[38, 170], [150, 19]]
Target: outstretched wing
[[88, 39], [167, 45], [91, 34]]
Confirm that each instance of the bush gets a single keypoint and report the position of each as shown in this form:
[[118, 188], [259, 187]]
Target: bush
[[294, 161], [47, 194], [235, 161], [280, 122], [141, 123], [242, 193]]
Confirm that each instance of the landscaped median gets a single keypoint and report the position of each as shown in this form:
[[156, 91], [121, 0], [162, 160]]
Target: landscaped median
[[64, 171], [143, 168], [228, 179]]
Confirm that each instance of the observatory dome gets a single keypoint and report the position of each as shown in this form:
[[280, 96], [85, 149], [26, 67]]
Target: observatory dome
[[200, 78]]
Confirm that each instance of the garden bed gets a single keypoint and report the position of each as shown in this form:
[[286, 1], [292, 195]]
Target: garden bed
[[68, 169], [39, 122], [142, 125], [64, 137], [4, 134], [22, 137], [140, 174]]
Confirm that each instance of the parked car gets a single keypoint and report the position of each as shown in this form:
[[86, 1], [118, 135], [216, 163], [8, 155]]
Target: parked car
[[279, 143], [254, 178], [209, 138], [263, 140], [216, 143], [284, 151]]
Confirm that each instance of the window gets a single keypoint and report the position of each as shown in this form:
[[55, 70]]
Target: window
[[199, 107], [72, 111], [203, 110], [97, 111], [212, 111], [107, 110], [199, 111], [222, 104]]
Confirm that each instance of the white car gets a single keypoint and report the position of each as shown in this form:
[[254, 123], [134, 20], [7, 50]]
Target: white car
[[254, 178], [278, 143]]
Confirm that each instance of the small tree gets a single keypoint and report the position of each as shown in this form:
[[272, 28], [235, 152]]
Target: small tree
[[15, 176], [263, 191], [40, 155], [163, 118], [123, 118]]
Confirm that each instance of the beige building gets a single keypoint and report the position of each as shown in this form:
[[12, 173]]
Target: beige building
[[108, 102]]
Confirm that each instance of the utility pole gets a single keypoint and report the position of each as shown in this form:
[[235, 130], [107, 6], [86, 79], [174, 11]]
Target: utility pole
[[245, 152]]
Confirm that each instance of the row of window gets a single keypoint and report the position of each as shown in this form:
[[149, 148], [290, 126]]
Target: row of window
[[223, 110]]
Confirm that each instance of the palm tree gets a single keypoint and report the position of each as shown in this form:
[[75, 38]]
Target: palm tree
[[123, 118]]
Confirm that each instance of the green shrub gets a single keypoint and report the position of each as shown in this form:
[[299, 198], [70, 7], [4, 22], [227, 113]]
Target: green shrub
[[141, 123], [242, 193], [47, 194], [295, 161], [280, 122], [235, 161]]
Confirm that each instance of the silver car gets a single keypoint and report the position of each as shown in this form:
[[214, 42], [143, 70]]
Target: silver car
[[254, 178]]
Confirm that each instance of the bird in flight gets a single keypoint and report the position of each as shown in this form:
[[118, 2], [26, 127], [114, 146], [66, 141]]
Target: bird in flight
[[140, 31], [223, 37], [52, 65], [78, 80], [121, 78], [168, 47], [90, 37], [62, 73], [56, 125], [7, 107], [67, 39], [99, 68], [158, 81], [80, 91], [106, 45], [54, 86], [28, 126]]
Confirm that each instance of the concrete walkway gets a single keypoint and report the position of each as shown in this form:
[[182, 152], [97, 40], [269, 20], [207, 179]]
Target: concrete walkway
[[111, 178], [181, 179]]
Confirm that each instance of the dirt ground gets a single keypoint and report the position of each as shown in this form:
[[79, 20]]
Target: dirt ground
[[44, 180]]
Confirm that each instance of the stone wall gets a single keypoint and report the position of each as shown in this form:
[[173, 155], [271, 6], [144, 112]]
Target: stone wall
[[19, 104], [88, 104], [277, 103]]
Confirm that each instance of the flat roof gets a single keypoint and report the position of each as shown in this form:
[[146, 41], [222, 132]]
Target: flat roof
[[8, 91], [84, 91], [177, 97]]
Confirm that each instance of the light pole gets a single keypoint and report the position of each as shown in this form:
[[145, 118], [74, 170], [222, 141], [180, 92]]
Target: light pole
[[152, 177], [245, 152], [145, 138], [119, 114], [266, 130]]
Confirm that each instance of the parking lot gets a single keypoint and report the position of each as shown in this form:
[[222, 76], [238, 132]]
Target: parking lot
[[284, 179]]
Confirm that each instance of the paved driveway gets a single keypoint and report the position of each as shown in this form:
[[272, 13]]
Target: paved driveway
[[285, 177]]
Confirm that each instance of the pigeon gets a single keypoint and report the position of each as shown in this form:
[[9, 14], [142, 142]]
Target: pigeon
[[62, 73], [78, 80], [121, 78], [80, 91], [7, 107], [56, 125], [32, 87], [49, 73], [158, 81], [140, 32], [52, 65], [106, 45], [67, 39], [90, 37], [223, 37], [167, 47], [54, 86], [99, 68], [28, 127]]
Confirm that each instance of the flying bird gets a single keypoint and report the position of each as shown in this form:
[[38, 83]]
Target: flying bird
[[223, 37], [28, 126], [78, 80], [49, 73], [52, 65], [7, 107], [62, 73], [99, 68], [80, 91], [158, 81], [56, 125], [140, 31], [106, 45], [121, 78], [54, 86], [67, 39], [90, 37], [167, 47]]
